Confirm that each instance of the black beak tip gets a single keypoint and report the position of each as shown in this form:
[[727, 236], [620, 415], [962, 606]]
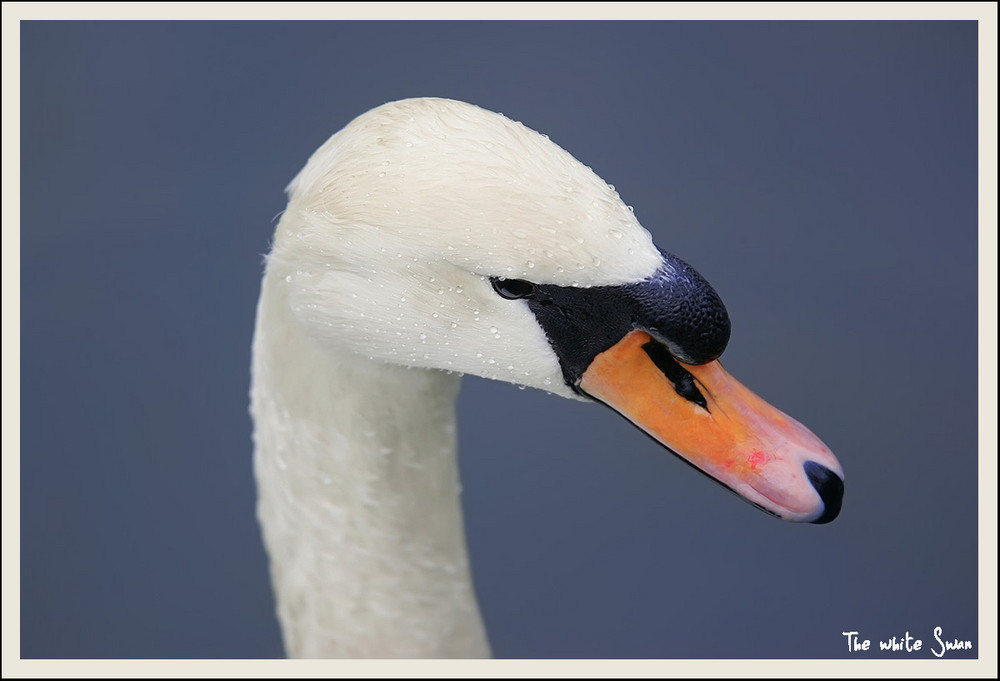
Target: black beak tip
[[830, 488]]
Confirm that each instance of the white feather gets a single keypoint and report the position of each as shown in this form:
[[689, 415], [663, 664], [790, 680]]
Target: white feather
[[375, 300]]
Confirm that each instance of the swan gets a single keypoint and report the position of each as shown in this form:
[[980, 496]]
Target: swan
[[428, 239]]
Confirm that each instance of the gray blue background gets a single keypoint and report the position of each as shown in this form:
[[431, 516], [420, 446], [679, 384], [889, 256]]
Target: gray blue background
[[823, 177]]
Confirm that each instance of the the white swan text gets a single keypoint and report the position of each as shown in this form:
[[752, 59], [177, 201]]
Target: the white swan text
[[907, 643]]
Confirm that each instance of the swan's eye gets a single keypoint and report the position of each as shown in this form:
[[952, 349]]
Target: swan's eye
[[512, 289], [680, 377]]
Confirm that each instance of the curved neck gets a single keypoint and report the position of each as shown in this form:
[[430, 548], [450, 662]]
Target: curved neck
[[359, 499]]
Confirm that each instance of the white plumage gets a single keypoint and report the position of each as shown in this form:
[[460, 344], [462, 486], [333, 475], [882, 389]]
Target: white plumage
[[376, 298]]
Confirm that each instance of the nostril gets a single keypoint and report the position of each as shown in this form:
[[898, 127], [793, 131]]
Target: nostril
[[830, 488]]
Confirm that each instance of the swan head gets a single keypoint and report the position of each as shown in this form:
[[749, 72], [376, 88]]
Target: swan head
[[432, 233]]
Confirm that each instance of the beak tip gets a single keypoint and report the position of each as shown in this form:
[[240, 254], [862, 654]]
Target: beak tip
[[830, 487]]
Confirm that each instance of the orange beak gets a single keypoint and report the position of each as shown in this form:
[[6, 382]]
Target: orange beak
[[737, 438]]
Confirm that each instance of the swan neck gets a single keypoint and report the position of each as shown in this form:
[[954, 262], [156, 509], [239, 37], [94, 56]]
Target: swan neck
[[359, 498]]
